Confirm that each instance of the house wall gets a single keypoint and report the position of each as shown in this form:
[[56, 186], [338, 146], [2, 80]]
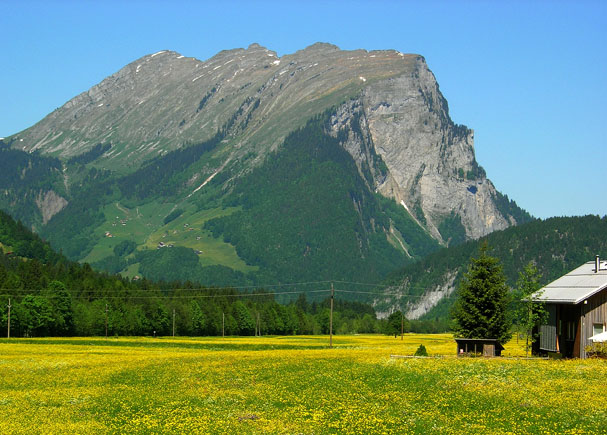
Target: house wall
[[594, 311]]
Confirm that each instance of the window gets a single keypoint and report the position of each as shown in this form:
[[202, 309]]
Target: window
[[597, 328]]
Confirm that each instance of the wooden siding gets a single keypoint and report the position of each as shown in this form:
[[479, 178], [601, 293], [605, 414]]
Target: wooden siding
[[569, 326], [548, 331], [594, 311]]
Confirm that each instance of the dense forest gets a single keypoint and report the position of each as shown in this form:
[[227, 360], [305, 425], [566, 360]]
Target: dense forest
[[307, 213], [556, 246], [23, 176], [50, 295]]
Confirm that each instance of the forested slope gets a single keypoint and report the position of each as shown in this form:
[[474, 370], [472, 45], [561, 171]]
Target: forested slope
[[555, 246], [51, 295]]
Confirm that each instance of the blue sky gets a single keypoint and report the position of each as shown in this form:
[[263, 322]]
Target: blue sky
[[530, 77]]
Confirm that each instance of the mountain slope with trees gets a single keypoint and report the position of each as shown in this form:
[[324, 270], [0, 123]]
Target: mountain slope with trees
[[426, 289], [52, 296]]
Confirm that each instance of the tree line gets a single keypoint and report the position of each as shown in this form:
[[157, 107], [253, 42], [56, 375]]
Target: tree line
[[50, 295]]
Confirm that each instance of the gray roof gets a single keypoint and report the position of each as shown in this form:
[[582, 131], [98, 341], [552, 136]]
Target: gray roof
[[576, 286]]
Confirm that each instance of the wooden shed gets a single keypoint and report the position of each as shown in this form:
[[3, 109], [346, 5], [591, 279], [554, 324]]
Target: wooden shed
[[577, 310], [476, 346]]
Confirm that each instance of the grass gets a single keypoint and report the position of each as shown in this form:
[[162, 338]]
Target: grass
[[187, 231], [290, 385], [5, 248], [145, 226]]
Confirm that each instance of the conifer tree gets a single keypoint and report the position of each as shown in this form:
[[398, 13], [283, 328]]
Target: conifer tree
[[481, 310]]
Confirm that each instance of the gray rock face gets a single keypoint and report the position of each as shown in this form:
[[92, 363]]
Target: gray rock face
[[433, 171], [414, 308], [50, 204], [399, 127]]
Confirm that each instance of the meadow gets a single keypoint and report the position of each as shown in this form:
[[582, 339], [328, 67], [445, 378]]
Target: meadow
[[294, 385]]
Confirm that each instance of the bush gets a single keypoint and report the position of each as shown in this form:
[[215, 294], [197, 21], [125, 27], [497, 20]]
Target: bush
[[421, 351], [173, 215], [597, 350]]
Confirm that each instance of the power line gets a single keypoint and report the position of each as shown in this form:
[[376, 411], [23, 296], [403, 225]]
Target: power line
[[379, 291], [389, 294], [130, 297], [220, 292]]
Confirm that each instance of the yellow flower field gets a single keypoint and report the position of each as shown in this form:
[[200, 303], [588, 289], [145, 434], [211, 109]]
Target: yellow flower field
[[291, 385]]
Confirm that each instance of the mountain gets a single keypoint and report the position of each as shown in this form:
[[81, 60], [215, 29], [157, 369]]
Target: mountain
[[426, 290], [322, 164]]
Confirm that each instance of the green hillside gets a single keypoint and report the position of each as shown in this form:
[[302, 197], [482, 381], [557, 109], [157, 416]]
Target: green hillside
[[52, 296], [555, 245]]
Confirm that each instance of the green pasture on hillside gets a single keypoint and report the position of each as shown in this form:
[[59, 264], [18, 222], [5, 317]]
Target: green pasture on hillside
[[145, 226]]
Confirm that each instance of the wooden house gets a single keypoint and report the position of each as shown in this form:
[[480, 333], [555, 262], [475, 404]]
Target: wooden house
[[577, 310]]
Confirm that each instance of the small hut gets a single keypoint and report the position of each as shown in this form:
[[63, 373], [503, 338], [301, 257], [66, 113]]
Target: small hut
[[476, 346]]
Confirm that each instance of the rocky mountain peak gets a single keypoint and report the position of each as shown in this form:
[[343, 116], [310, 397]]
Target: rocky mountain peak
[[390, 112], [322, 47]]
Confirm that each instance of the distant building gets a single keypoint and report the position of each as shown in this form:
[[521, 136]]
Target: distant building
[[577, 310]]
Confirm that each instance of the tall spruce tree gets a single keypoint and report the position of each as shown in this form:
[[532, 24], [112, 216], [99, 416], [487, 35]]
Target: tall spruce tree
[[481, 309]]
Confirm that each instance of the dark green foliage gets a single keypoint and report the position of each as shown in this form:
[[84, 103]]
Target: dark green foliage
[[243, 318], [111, 264], [481, 308], [205, 99], [477, 172], [419, 212], [170, 264], [528, 315], [91, 155], [124, 248], [430, 326], [508, 207], [24, 178], [419, 242], [62, 310], [179, 263], [24, 242], [307, 214], [33, 316], [396, 323], [71, 228], [173, 215], [452, 230], [421, 351], [62, 298], [160, 177]]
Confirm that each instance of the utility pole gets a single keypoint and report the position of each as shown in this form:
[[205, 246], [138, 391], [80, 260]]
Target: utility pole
[[173, 322], [223, 324], [402, 325], [331, 319], [106, 321], [258, 324], [8, 334]]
